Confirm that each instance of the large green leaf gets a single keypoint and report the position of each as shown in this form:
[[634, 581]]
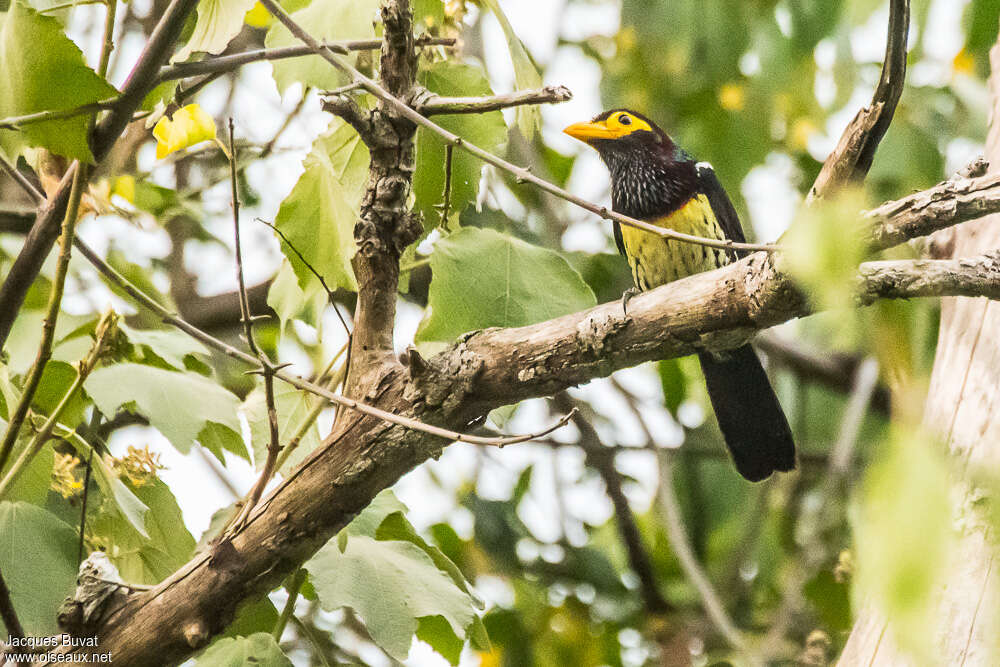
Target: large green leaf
[[400, 585], [38, 561], [150, 558], [170, 346], [179, 405], [257, 649], [319, 215], [290, 301], [325, 20], [486, 279], [487, 131], [390, 584], [218, 22], [526, 75], [43, 70]]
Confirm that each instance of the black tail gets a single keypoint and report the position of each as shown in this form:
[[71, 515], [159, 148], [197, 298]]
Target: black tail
[[753, 425]]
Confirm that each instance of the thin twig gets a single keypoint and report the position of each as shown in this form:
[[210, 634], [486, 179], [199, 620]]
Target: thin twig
[[431, 104], [813, 549], [288, 610], [83, 503], [7, 613], [267, 367], [446, 198], [521, 174], [146, 301], [222, 64], [79, 176], [674, 523], [22, 180], [602, 459]]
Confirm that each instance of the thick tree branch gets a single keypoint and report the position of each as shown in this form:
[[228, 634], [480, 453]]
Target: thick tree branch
[[852, 158], [906, 279], [427, 103]]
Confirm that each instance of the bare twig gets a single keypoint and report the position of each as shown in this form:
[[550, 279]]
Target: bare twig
[[267, 368], [18, 122], [21, 180], [430, 104], [228, 63], [446, 197], [813, 550], [78, 174], [7, 613], [520, 173], [852, 158], [83, 503], [151, 304], [294, 586], [602, 459], [677, 534]]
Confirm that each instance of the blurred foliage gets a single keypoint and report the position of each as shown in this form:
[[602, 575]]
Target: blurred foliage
[[745, 85]]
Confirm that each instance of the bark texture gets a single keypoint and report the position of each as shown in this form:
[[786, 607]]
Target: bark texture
[[963, 406]]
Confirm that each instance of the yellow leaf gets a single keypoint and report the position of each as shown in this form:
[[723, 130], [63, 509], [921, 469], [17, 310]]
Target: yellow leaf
[[964, 63], [258, 17], [125, 188], [190, 125]]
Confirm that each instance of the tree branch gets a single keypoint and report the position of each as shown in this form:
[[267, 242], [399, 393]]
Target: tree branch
[[427, 103], [7, 613], [235, 60], [909, 278], [852, 158]]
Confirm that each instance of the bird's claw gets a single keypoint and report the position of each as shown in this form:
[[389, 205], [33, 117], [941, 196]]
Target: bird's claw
[[627, 296]]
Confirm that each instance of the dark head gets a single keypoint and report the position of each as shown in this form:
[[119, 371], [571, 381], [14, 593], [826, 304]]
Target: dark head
[[650, 175]]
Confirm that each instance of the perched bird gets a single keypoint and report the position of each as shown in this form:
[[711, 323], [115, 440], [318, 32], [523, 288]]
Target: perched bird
[[656, 181]]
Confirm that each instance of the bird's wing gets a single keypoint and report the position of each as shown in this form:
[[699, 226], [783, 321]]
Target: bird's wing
[[708, 183], [619, 241]]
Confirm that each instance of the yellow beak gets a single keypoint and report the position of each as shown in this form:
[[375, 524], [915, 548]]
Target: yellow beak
[[587, 132]]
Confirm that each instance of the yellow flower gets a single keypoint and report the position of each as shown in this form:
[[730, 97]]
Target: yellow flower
[[138, 465], [189, 126], [258, 17], [64, 480], [733, 96]]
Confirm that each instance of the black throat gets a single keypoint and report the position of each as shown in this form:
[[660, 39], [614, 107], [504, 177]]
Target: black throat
[[649, 180]]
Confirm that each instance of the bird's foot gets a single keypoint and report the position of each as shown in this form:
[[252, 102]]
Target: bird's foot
[[627, 296]]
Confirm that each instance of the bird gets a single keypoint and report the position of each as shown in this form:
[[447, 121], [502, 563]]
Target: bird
[[655, 180]]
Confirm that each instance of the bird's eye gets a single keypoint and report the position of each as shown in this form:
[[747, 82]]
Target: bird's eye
[[624, 120]]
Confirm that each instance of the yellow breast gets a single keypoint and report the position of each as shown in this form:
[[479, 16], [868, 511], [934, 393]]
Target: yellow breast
[[655, 260]]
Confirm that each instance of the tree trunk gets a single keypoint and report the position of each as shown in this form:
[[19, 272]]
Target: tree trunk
[[963, 406]]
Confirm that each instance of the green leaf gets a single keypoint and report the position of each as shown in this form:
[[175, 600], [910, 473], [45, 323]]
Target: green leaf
[[673, 382], [427, 14], [371, 517], [179, 405], [38, 561], [253, 616], [326, 20], [218, 22], [292, 406], [319, 215], [257, 649], [164, 544], [487, 131], [526, 75], [290, 301], [32, 485], [904, 536], [44, 71], [514, 284], [168, 345], [390, 584]]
